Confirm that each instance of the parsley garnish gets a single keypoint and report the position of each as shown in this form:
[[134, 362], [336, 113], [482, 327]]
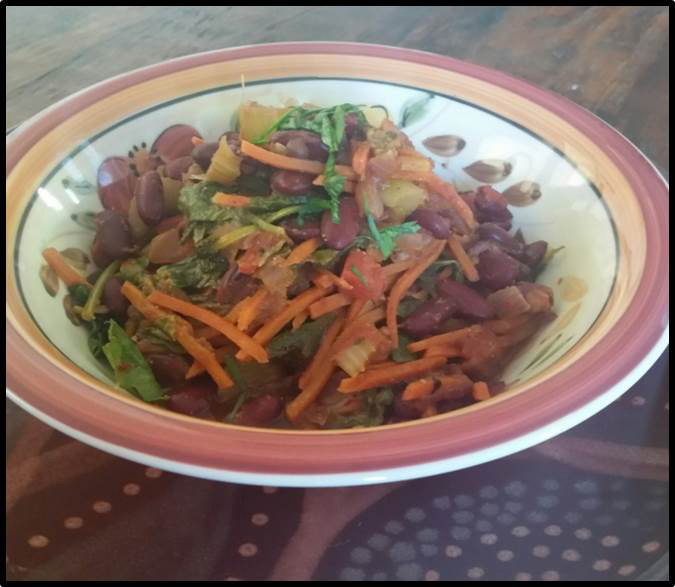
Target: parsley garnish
[[360, 276], [384, 237]]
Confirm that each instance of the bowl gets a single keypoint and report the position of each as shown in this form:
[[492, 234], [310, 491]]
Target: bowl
[[572, 180]]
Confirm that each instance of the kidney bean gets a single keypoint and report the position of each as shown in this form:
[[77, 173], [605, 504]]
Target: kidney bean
[[469, 302], [352, 128], [115, 182], [202, 154], [534, 253], [193, 398], [429, 316], [113, 298], [112, 240], [260, 410], [309, 229], [169, 369], [497, 269], [491, 206], [150, 198], [175, 169], [302, 142], [175, 141], [431, 221], [496, 233], [291, 182], [408, 410], [234, 286], [338, 236]]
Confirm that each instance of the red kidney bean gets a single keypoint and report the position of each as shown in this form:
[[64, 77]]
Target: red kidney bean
[[496, 233], [113, 298], [234, 287], [353, 129], [292, 183], [431, 221], [116, 183], [491, 206], [524, 272], [469, 302], [112, 240], [408, 410], [334, 382], [260, 410], [202, 154], [496, 269], [429, 316], [168, 369], [193, 398], [150, 198], [309, 229], [300, 142], [344, 153], [175, 169], [534, 253], [175, 142], [338, 236]]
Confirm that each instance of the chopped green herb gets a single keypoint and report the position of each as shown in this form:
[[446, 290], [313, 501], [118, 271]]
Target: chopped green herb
[[384, 237], [97, 291], [360, 275], [79, 293], [375, 403], [402, 354], [233, 369], [194, 272], [304, 340]]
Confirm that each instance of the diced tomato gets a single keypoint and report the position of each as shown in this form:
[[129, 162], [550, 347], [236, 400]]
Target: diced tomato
[[364, 274]]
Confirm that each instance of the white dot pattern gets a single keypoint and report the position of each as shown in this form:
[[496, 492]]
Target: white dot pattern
[[601, 565], [73, 523], [260, 519], [523, 577], [571, 555], [541, 551], [488, 538], [626, 570], [520, 531], [453, 551], [651, 546], [553, 530], [431, 576], [583, 533], [609, 540], [101, 507], [38, 541], [505, 555], [475, 573], [550, 576], [153, 473], [131, 489], [248, 549]]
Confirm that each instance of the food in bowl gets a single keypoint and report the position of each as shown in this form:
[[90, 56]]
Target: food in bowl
[[308, 270]]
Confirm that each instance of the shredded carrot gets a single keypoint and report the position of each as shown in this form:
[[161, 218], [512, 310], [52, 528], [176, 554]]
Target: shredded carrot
[[231, 200], [291, 163], [183, 334], [360, 159], [383, 365], [447, 351], [206, 332], [322, 354], [403, 284], [348, 187], [462, 258], [233, 314], [396, 268], [378, 377], [241, 339], [480, 391], [328, 304], [358, 304], [63, 269], [327, 279], [444, 339], [197, 368], [302, 251], [300, 319], [197, 141], [305, 398], [454, 386], [417, 389], [276, 323], [249, 311], [374, 315], [410, 152], [505, 325]]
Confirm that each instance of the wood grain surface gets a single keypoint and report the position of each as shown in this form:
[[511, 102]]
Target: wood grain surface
[[612, 60]]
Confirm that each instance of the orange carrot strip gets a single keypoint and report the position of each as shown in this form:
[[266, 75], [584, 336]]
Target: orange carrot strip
[[300, 319], [360, 159], [328, 279], [322, 354], [328, 304], [379, 377], [302, 251], [206, 333], [396, 268], [291, 163], [58, 263], [241, 339], [183, 334], [383, 365], [447, 351], [249, 311], [417, 389], [355, 309], [462, 258], [403, 284], [454, 386], [197, 368], [505, 325], [348, 187], [197, 141], [233, 314], [444, 339], [374, 315], [276, 323], [305, 398], [231, 200], [480, 391], [409, 152]]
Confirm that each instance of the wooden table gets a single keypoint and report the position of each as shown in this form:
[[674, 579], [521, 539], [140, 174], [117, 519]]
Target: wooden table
[[611, 60], [595, 503]]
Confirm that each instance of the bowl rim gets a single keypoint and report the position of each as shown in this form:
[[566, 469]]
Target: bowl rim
[[639, 335]]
